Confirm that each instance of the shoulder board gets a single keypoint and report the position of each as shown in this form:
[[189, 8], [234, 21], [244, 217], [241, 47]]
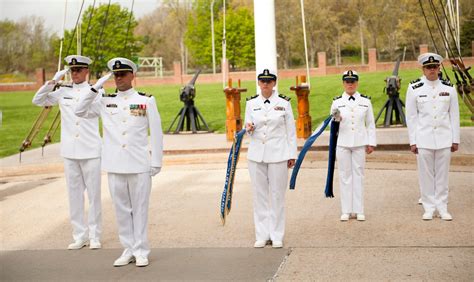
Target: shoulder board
[[143, 94], [284, 97], [446, 82], [66, 85], [335, 98], [250, 98], [109, 95], [365, 96], [415, 81], [417, 85]]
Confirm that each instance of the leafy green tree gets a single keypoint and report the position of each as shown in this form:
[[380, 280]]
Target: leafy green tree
[[106, 32]]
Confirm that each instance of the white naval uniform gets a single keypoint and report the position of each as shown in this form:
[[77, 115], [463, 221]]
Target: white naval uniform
[[81, 148], [127, 116], [356, 131], [433, 126], [272, 144]]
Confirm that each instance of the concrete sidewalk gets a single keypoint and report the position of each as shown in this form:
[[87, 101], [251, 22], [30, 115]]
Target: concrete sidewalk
[[189, 242]]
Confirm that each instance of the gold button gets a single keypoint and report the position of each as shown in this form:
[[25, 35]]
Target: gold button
[[435, 127], [263, 142], [123, 146], [124, 108], [77, 123], [434, 97], [352, 129], [434, 117], [125, 98], [124, 133], [77, 135], [124, 121]]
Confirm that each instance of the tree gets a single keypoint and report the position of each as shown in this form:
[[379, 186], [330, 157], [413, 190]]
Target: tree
[[25, 45], [106, 32]]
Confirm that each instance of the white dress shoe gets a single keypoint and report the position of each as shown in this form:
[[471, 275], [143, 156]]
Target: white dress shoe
[[420, 202], [345, 217], [277, 244], [259, 244], [77, 245], [94, 244], [360, 217], [141, 261], [428, 216], [446, 216], [124, 260]]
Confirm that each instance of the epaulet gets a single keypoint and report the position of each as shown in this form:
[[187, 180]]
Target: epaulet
[[284, 97], [335, 98], [250, 98], [109, 95], [66, 85], [143, 94], [417, 85], [446, 82], [415, 81], [365, 96]]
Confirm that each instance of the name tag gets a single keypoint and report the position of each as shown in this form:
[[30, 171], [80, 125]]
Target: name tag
[[363, 105], [257, 109], [279, 108], [444, 94], [341, 106], [68, 98], [421, 96], [111, 105]]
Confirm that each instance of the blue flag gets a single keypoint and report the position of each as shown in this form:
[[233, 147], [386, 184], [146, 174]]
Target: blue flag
[[226, 199], [309, 142]]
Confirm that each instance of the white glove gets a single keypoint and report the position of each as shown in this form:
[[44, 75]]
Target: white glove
[[98, 85], [57, 76], [155, 170], [336, 114]]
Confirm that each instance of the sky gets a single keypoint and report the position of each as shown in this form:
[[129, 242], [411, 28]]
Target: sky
[[52, 11]]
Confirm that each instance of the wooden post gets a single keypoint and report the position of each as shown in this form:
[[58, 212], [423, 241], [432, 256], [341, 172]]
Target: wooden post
[[303, 122], [423, 48], [372, 59], [233, 121]]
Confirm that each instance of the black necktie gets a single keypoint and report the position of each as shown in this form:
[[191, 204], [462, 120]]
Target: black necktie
[[352, 98], [267, 101]]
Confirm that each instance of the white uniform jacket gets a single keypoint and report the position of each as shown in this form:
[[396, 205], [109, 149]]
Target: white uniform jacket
[[274, 137], [126, 118], [80, 137], [432, 114], [357, 127]]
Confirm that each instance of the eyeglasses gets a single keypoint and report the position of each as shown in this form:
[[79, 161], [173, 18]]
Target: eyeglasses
[[431, 67], [120, 73]]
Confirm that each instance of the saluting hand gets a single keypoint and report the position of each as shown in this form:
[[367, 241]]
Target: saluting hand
[[291, 163], [98, 85], [58, 75]]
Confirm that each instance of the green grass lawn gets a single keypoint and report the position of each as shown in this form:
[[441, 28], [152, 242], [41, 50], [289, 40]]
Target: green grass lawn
[[19, 113]]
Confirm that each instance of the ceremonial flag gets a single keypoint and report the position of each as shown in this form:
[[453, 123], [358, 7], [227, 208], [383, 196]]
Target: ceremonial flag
[[332, 158], [226, 200], [309, 142]]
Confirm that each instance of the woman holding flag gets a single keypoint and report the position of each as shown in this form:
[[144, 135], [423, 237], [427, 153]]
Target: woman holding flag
[[356, 138], [272, 151]]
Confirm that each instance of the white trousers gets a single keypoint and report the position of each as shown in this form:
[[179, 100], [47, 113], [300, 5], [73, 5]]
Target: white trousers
[[131, 194], [84, 175], [269, 182], [351, 164], [433, 172]]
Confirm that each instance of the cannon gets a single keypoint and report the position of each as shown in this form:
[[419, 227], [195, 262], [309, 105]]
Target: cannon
[[189, 114], [393, 107]]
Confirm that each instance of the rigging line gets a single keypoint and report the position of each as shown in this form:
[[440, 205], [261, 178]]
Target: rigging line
[[440, 28], [128, 29], [432, 37], [97, 48], [452, 35], [89, 24], [75, 28]]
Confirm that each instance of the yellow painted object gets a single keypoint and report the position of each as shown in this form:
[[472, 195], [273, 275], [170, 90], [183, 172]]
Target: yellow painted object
[[303, 122], [233, 121]]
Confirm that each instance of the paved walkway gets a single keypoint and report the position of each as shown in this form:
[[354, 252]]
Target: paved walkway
[[189, 243]]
